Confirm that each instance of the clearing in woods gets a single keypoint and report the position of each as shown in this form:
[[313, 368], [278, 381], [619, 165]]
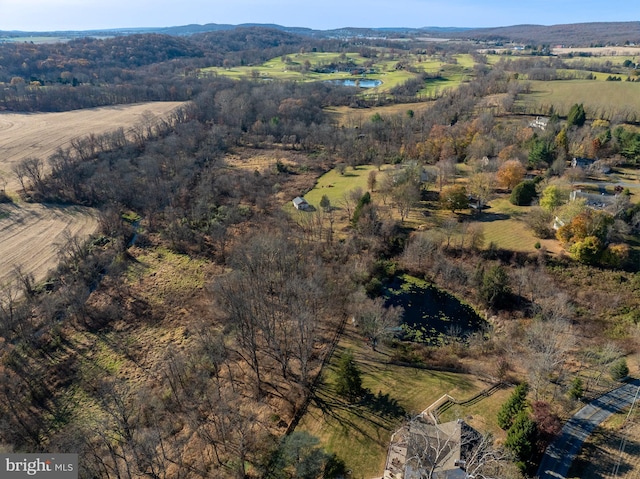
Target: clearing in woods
[[31, 235]]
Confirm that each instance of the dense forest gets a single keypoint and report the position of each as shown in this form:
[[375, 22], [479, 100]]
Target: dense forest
[[145, 379]]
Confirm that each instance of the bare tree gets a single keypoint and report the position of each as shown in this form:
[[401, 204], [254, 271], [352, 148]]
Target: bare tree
[[432, 449], [548, 343], [376, 321]]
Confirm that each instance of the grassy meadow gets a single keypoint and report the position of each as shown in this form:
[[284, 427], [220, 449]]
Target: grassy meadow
[[502, 224], [384, 68], [598, 97]]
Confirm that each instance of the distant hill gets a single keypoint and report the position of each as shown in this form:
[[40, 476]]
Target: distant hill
[[575, 34]]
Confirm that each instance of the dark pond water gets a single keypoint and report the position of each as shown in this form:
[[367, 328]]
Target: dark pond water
[[362, 83], [431, 313]]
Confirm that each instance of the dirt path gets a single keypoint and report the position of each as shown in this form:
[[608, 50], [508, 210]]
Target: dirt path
[[31, 236], [24, 135]]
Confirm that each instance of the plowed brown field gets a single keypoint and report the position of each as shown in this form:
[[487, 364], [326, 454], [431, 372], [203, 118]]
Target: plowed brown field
[[31, 235], [24, 135]]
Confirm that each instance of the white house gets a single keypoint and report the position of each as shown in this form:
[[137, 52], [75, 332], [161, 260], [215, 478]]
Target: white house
[[300, 203]]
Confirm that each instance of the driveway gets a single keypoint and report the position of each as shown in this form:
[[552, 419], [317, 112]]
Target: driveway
[[560, 454]]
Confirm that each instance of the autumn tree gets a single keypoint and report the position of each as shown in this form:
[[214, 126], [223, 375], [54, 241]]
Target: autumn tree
[[510, 173], [372, 180], [551, 198], [586, 235], [405, 197]]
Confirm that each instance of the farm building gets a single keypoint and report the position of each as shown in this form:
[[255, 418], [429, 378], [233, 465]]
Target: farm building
[[582, 162], [595, 201], [539, 122], [423, 446], [300, 203]]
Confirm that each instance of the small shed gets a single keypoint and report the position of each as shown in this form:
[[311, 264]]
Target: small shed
[[300, 203]]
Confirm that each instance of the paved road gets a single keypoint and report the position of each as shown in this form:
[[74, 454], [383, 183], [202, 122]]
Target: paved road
[[560, 454]]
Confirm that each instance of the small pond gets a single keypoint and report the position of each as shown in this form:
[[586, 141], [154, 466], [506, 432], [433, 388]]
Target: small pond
[[431, 313], [362, 83]]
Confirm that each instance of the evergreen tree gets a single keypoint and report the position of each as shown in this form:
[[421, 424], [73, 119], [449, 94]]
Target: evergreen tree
[[494, 289], [362, 202], [576, 115], [349, 378], [516, 403], [521, 438]]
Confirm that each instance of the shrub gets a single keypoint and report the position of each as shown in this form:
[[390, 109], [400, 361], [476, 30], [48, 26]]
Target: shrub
[[619, 370], [577, 389], [523, 193], [541, 222]]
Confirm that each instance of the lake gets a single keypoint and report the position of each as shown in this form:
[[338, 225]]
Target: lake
[[362, 83]]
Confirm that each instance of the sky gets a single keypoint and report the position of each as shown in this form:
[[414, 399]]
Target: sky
[[56, 15]]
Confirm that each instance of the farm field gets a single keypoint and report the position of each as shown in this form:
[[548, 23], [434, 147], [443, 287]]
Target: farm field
[[24, 135], [347, 116], [597, 51], [32, 235], [600, 98]]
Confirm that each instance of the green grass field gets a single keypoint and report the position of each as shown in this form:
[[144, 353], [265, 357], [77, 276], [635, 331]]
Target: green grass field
[[598, 97], [359, 433], [385, 70], [335, 185]]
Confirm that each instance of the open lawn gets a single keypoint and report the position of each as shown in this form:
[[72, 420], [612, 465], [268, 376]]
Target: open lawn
[[503, 225], [337, 188], [600, 98], [359, 433]]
